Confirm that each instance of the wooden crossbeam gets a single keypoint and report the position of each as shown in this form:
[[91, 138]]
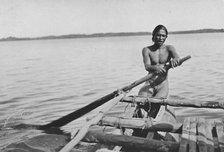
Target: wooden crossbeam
[[177, 103], [140, 123]]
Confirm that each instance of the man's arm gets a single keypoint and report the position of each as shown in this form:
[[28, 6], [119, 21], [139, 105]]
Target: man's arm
[[174, 55], [147, 63]]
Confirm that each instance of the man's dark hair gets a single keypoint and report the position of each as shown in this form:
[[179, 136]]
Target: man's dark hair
[[156, 30]]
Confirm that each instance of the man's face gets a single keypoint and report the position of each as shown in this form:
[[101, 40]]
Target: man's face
[[160, 37]]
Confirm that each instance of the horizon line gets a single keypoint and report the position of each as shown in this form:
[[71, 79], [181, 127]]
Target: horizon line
[[107, 34]]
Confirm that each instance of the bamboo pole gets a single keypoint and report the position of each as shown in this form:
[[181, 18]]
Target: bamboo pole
[[140, 123], [176, 103], [83, 131]]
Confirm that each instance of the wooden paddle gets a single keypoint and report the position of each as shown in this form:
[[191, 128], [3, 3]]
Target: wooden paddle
[[84, 110]]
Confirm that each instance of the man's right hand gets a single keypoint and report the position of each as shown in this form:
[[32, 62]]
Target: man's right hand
[[159, 69]]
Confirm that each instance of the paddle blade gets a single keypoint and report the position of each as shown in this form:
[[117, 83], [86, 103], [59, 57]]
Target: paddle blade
[[80, 112]]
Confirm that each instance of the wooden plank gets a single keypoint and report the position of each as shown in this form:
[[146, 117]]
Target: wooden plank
[[192, 135], [201, 137], [184, 145], [209, 136], [131, 142], [220, 133]]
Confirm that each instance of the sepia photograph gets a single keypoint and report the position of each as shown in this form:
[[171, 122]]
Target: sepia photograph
[[111, 75]]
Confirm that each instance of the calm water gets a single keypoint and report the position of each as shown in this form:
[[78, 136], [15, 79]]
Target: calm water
[[44, 80]]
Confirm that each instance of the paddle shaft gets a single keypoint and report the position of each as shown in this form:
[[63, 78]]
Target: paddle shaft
[[86, 109], [168, 65]]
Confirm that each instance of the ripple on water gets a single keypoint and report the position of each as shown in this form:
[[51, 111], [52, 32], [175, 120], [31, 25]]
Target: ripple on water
[[89, 93], [59, 99]]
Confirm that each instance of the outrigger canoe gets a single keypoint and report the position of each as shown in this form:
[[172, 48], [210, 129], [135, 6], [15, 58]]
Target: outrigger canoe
[[108, 132], [112, 132]]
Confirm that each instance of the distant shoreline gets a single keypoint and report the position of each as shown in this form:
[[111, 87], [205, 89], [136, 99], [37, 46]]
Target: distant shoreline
[[74, 36]]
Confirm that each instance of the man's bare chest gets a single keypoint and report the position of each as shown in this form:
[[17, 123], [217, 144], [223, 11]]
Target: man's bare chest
[[159, 56]]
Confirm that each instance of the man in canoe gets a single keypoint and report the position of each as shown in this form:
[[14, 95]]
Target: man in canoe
[[154, 58]]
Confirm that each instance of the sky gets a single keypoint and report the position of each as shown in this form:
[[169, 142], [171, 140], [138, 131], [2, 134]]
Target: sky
[[34, 18]]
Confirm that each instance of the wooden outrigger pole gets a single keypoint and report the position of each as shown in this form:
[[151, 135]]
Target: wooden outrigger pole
[[175, 103]]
